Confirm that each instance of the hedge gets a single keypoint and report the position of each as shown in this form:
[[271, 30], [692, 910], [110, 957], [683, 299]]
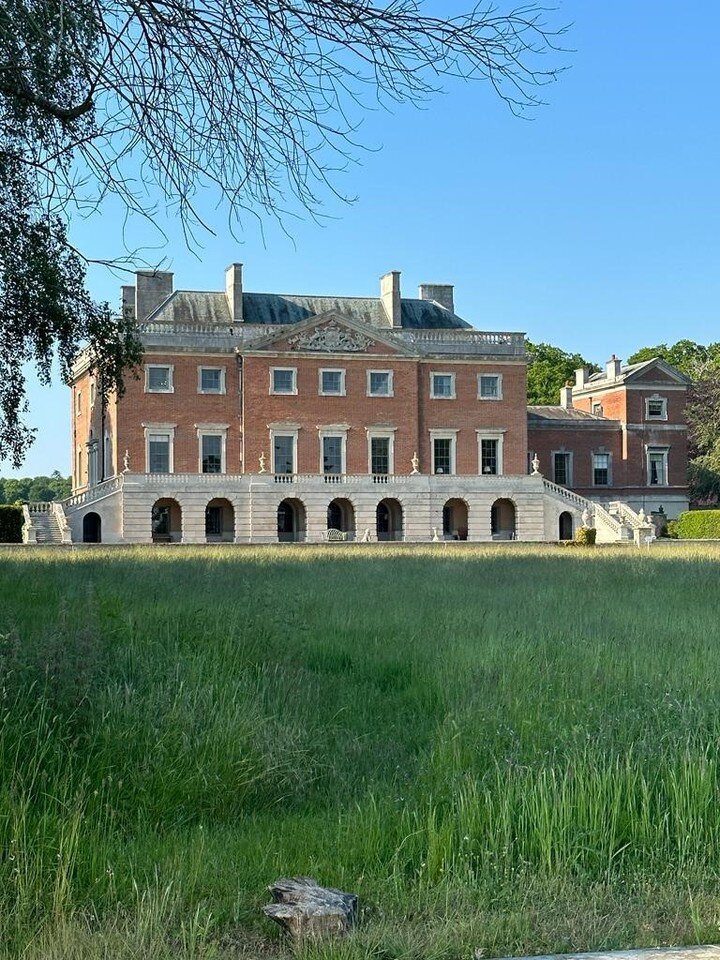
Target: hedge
[[11, 524], [585, 536], [698, 525]]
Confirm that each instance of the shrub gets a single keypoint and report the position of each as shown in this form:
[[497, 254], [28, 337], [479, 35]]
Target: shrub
[[698, 525], [585, 536], [670, 530], [11, 524]]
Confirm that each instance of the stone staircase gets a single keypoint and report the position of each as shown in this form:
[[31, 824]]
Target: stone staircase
[[45, 524], [617, 524]]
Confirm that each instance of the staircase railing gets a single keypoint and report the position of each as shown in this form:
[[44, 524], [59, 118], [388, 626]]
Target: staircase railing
[[569, 495], [601, 517], [103, 489], [607, 520], [29, 531], [61, 520], [629, 516]]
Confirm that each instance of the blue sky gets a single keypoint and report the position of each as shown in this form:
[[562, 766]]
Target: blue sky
[[593, 226]]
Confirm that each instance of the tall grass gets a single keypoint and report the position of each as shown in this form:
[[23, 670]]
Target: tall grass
[[511, 750]]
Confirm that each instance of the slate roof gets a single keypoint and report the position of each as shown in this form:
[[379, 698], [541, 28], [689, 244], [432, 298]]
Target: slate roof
[[268, 309], [539, 414], [625, 369]]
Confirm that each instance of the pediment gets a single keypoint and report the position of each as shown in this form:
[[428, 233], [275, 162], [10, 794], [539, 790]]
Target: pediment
[[657, 371], [330, 333]]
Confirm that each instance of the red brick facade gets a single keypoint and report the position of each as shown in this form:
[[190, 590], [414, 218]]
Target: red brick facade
[[610, 417]]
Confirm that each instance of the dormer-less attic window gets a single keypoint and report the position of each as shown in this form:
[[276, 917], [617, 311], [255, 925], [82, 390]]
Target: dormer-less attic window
[[656, 408]]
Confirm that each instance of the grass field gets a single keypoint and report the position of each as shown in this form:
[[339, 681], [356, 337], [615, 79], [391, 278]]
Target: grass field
[[501, 750]]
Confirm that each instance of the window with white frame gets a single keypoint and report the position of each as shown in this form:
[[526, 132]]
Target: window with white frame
[[332, 383], [332, 453], [159, 444], [92, 393], [442, 386], [158, 378], [211, 380], [490, 452], [78, 403], [442, 449], [657, 466], [656, 408], [212, 447], [284, 452], [379, 383], [562, 467], [283, 380], [597, 408], [601, 469], [381, 452], [489, 386]]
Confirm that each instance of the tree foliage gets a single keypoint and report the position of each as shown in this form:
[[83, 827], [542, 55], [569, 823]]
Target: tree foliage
[[33, 489], [549, 369], [154, 102]]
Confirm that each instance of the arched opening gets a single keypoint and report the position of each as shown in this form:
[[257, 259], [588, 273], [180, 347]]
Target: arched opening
[[341, 516], [92, 528], [389, 520], [291, 521], [166, 521], [565, 526], [455, 519], [219, 521], [502, 519]]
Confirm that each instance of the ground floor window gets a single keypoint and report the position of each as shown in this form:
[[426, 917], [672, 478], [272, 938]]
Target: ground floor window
[[284, 453], [561, 468], [601, 469], [657, 466], [443, 455], [489, 456], [332, 454], [211, 452]]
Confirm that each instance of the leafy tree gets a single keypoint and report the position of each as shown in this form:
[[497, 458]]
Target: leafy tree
[[254, 99], [686, 356], [54, 487], [549, 369]]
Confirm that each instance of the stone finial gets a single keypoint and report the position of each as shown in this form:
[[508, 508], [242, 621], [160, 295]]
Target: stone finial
[[126, 462], [536, 466], [415, 461], [306, 910], [262, 462]]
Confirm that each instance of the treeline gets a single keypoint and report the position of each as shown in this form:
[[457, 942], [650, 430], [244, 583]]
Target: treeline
[[27, 489], [550, 368]]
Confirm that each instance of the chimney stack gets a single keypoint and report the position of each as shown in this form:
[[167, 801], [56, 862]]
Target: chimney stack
[[581, 377], [390, 296], [441, 293], [613, 368], [566, 396], [152, 287], [234, 291], [128, 302]]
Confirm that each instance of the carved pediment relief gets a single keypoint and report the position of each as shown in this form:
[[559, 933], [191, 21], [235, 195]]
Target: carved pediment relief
[[330, 338]]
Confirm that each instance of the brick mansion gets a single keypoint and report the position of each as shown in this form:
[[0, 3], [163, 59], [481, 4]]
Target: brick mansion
[[263, 417]]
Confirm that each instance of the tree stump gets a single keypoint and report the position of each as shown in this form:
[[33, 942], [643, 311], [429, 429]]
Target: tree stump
[[305, 909]]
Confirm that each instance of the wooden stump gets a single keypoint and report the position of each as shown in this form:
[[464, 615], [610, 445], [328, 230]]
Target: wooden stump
[[306, 910]]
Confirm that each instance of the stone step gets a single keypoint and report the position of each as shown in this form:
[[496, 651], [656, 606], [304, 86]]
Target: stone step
[[704, 952]]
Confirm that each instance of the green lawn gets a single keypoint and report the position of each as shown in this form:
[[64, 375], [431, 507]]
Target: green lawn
[[506, 750]]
